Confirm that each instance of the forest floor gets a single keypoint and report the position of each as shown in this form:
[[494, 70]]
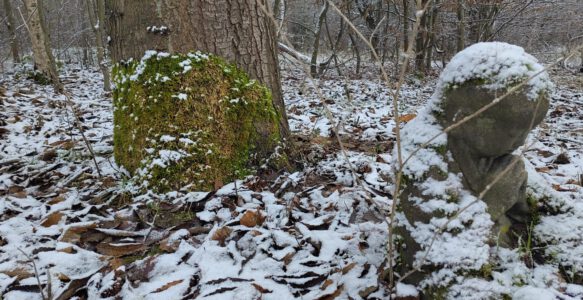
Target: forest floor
[[315, 234]]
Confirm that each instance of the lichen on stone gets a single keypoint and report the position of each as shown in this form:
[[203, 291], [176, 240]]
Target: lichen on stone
[[190, 121]]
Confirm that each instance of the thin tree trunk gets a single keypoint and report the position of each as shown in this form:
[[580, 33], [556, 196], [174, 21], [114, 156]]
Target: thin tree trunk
[[356, 51], [431, 35], [461, 27], [10, 23], [237, 30], [405, 25], [421, 41], [316, 46], [96, 18], [43, 57]]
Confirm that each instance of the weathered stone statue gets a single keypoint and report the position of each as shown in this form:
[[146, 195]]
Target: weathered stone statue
[[464, 192]]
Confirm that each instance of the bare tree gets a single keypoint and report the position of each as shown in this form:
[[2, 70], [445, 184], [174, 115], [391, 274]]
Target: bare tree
[[10, 23], [317, 34], [44, 61], [96, 13]]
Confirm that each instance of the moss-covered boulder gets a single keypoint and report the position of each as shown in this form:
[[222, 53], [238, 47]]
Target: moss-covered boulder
[[191, 121]]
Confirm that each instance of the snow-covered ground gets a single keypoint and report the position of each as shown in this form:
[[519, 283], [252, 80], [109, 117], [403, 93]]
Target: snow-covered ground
[[313, 234]]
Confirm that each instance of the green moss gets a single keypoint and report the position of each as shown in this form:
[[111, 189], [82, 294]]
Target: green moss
[[39, 78], [442, 149], [194, 127]]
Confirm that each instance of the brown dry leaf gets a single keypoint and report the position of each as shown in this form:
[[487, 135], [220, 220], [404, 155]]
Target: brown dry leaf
[[48, 155], [288, 258], [261, 289], [64, 278], [68, 250], [68, 145], [347, 268], [118, 250], [218, 184], [73, 234], [52, 219], [15, 189], [19, 273], [255, 233], [168, 285], [406, 118], [326, 284], [169, 247], [56, 200], [559, 188], [20, 195], [543, 169], [222, 234], [545, 153], [252, 218], [333, 295], [115, 263]]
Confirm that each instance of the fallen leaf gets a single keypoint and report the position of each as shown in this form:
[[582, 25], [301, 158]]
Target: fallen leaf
[[64, 278], [56, 200], [73, 233], [166, 246], [48, 155], [326, 284], [52, 219], [347, 268], [559, 188], [261, 289], [543, 169], [19, 273], [168, 285], [288, 258], [115, 263], [333, 295], [221, 235], [69, 250], [406, 118], [118, 250], [252, 218], [562, 159]]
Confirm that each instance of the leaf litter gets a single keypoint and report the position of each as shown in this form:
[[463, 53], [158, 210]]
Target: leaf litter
[[312, 234]]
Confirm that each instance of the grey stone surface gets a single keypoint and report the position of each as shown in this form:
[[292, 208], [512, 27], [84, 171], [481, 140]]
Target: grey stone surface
[[482, 148]]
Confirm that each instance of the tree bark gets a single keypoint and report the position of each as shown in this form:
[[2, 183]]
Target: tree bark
[[10, 23], [421, 40], [96, 13], [316, 46], [461, 28], [405, 25], [43, 57], [237, 30]]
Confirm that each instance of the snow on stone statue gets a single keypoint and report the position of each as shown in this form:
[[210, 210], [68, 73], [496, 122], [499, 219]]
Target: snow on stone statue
[[466, 190]]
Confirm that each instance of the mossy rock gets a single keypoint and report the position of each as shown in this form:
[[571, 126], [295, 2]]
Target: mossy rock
[[191, 121]]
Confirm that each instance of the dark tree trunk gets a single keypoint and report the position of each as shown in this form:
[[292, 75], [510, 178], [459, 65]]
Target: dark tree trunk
[[14, 48]]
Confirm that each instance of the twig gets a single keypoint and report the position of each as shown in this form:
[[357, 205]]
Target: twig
[[79, 126], [36, 274]]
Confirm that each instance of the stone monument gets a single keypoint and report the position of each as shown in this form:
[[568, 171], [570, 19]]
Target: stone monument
[[465, 191]]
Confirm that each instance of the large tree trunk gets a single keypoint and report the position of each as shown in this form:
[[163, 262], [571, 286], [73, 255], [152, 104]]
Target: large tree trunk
[[96, 13], [10, 24], [236, 30], [43, 57]]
